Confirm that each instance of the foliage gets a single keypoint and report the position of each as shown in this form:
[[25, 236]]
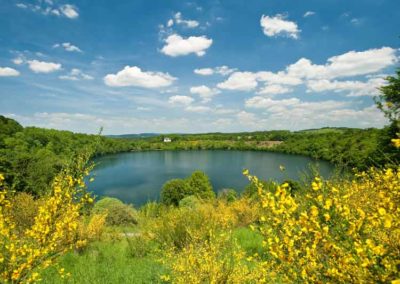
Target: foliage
[[25, 253], [227, 194], [190, 201], [215, 260], [174, 191], [389, 100], [24, 210], [117, 213], [337, 232], [31, 157], [200, 185]]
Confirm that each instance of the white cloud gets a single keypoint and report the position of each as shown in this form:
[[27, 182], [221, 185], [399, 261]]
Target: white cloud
[[43, 67], [268, 103], [18, 60], [198, 109], [278, 26], [308, 14], [222, 70], [204, 71], [21, 5], [354, 88], [274, 90], [134, 76], [47, 7], [8, 72], [240, 81], [76, 75], [247, 81], [278, 78], [180, 100], [204, 92], [113, 124], [68, 47], [69, 11], [178, 46], [351, 63], [180, 21]]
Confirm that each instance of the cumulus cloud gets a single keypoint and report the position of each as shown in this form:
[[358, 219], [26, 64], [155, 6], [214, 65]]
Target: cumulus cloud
[[204, 71], [308, 14], [352, 63], [134, 76], [8, 72], [319, 78], [204, 92], [240, 81], [178, 19], [69, 11], [43, 66], [222, 70], [354, 88], [278, 26], [68, 47], [50, 8], [180, 100], [247, 81], [75, 75], [198, 109], [274, 90], [18, 60], [179, 46]]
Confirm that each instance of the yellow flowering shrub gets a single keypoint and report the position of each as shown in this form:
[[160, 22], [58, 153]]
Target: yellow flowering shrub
[[342, 232], [93, 229], [53, 232], [179, 226], [217, 259]]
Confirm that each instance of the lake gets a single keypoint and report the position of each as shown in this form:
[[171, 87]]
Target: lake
[[137, 177]]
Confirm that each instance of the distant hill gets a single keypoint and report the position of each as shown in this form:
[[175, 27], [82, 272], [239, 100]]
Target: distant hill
[[134, 136]]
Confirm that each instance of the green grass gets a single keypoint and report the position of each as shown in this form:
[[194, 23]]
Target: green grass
[[106, 262], [249, 240]]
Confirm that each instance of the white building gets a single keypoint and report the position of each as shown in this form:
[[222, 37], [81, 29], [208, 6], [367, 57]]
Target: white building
[[167, 139]]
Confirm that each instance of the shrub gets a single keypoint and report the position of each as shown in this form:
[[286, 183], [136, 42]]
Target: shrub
[[117, 212], [174, 191], [25, 208], [227, 194], [24, 255], [215, 260], [190, 201], [200, 185], [338, 232]]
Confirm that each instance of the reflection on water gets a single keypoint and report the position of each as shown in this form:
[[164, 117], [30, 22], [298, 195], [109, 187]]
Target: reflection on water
[[138, 177]]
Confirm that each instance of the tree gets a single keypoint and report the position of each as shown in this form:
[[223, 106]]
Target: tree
[[389, 100], [200, 185], [174, 191], [389, 103]]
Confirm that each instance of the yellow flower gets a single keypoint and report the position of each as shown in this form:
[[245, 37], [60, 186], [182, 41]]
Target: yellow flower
[[396, 142]]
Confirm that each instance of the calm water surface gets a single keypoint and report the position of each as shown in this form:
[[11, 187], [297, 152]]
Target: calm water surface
[[137, 177]]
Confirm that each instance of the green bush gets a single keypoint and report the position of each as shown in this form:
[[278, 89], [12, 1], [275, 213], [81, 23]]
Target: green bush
[[118, 213], [190, 201], [200, 185], [227, 194], [174, 191]]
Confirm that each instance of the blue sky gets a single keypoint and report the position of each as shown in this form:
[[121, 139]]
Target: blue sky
[[195, 66]]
